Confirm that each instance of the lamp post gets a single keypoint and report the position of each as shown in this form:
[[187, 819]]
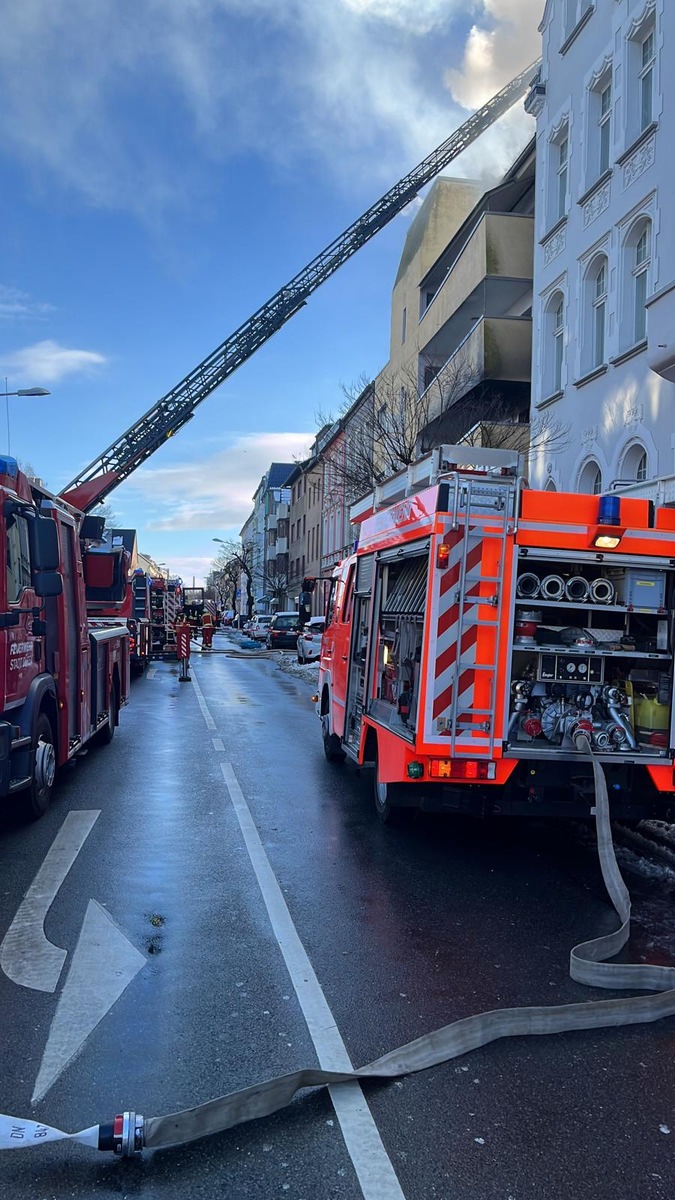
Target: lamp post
[[34, 391]]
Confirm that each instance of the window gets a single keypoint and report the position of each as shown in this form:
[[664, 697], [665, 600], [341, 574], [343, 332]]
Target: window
[[605, 127], [599, 312], [648, 59], [641, 468], [18, 557], [403, 324], [590, 479], [640, 283], [634, 464], [561, 191], [558, 332]]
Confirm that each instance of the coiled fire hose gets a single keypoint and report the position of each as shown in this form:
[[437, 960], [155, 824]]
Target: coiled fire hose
[[129, 1133]]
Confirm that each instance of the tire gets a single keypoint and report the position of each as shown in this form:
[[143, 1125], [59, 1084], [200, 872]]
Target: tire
[[105, 737], [385, 796], [301, 660], [34, 802], [331, 742]]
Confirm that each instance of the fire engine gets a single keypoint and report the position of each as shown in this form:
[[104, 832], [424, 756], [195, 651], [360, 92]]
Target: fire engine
[[63, 678], [481, 625], [121, 592]]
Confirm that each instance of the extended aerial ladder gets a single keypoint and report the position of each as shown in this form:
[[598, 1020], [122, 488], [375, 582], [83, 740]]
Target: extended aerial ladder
[[177, 407]]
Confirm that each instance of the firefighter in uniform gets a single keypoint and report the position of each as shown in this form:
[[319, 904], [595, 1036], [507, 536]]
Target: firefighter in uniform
[[207, 630], [182, 631]]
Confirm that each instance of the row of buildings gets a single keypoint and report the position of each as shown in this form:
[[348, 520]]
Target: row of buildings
[[539, 313]]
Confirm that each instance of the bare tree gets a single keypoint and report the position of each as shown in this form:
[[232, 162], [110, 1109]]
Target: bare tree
[[235, 560], [387, 423]]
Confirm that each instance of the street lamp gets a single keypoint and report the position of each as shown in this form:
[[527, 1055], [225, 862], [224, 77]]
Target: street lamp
[[34, 391]]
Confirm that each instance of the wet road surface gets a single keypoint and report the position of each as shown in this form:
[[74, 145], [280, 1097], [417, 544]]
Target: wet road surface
[[405, 929]]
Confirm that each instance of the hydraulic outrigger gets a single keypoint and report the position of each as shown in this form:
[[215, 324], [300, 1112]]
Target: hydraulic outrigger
[[177, 407]]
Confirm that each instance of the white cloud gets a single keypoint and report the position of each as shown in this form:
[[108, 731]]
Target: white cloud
[[47, 362], [353, 85], [15, 304], [213, 492], [504, 43]]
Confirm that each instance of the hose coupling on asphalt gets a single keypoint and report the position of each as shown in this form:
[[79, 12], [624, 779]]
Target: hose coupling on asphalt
[[125, 1136]]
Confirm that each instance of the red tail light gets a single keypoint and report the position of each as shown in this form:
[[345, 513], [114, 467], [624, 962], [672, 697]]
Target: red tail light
[[461, 768]]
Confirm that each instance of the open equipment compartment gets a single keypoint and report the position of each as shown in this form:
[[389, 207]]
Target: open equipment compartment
[[400, 609], [591, 650]]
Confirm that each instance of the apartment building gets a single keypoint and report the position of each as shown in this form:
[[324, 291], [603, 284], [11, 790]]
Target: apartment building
[[604, 270], [305, 484], [265, 535]]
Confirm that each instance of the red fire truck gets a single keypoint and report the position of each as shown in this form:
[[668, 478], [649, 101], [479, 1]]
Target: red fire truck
[[63, 677], [480, 625], [118, 591]]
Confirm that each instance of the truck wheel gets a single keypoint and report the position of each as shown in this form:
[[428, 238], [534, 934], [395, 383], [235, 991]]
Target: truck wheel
[[331, 742], [34, 802], [385, 796], [107, 734]]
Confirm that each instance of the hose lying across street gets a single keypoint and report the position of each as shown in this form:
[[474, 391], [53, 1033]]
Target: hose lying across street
[[130, 1133]]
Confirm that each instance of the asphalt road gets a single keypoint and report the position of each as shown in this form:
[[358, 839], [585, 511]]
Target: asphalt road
[[405, 930]]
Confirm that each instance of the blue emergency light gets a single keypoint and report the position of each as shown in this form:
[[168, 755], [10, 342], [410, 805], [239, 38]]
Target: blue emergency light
[[609, 510], [9, 466]]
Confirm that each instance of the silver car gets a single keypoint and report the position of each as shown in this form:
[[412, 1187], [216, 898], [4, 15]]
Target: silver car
[[309, 640]]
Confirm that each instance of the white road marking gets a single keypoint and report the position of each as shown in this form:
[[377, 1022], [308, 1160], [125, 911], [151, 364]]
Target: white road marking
[[151, 672], [372, 1165], [210, 723], [26, 955], [218, 744], [104, 963]]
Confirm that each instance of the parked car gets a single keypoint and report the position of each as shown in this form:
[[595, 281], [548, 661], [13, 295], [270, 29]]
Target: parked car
[[259, 627], [309, 640], [282, 631]]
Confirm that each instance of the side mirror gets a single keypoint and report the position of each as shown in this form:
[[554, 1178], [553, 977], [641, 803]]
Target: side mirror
[[44, 545], [48, 583]]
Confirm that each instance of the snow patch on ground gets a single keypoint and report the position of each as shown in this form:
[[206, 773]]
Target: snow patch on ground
[[629, 860], [288, 663]]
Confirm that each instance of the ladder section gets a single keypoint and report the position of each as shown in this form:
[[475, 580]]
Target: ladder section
[[465, 681]]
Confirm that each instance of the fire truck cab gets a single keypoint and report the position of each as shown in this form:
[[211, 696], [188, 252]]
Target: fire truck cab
[[480, 625], [63, 678]]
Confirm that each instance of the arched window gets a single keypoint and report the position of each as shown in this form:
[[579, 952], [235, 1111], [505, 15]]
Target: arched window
[[635, 464], [550, 486], [554, 344], [590, 478], [642, 258], [636, 276], [599, 304]]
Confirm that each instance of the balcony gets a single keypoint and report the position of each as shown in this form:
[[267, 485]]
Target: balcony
[[497, 348], [500, 246]]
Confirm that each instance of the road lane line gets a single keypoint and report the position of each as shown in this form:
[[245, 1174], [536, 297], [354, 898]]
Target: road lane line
[[210, 723], [26, 955], [373, 1167], [151, 672], [218, 744], [372, 1164]]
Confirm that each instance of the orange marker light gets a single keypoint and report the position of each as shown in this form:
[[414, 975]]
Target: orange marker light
[[443, 555]]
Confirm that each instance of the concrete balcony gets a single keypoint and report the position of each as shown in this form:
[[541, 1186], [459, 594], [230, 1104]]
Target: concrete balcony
[[500, 246], [661, 332], [497, 348]]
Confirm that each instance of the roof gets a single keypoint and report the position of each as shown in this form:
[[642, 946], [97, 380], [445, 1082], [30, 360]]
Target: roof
[[278, 474]]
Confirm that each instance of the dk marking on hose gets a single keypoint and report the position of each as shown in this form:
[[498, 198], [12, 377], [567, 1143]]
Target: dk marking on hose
[[129, 1132]]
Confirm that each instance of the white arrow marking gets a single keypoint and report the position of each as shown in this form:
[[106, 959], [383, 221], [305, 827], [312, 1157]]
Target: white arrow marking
[[26, 955], [104, 963]]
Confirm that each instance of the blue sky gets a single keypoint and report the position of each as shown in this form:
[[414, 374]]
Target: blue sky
[[167, 165]]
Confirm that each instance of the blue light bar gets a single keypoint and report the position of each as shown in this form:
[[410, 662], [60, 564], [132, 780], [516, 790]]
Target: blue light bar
[[8, 466], [609, 510]]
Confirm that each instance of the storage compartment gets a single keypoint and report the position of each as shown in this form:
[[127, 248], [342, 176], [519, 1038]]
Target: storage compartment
[[592, 652], [402, 599]]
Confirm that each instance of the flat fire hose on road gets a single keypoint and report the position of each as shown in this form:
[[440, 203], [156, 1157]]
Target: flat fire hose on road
[[129, 1133]]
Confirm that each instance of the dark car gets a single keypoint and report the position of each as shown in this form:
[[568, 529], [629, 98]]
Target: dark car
[[282, 631]]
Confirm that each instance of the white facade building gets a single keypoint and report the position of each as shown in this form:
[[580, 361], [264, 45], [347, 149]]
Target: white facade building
[[604, 267]]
